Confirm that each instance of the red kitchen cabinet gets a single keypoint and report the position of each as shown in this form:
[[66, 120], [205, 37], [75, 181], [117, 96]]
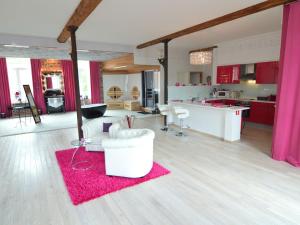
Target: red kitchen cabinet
[[267, 72], [229, 102], [262, 113], [215, 101], [271, 113], [228, 74], [276, 71], [236, 74], [223, 75]]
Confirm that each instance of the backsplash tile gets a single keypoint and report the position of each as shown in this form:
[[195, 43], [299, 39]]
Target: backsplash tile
[[252, 90]]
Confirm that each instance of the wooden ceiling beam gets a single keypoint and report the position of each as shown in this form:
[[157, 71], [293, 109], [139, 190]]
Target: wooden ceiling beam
[[83, 10], [217, 21], [203, 49]]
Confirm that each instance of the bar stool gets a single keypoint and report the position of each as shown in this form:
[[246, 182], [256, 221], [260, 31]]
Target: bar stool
[[181, 114], [165, 110]]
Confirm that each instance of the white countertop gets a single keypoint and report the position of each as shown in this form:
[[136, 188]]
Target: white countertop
[[241, 99], [210, 106]]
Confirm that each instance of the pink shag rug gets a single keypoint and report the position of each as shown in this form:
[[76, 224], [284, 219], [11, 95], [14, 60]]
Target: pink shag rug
[[85, 185]]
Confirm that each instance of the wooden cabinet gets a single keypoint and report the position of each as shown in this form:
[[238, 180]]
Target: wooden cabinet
[[132, 105], [267, 72], [228, 74], [115, 104]]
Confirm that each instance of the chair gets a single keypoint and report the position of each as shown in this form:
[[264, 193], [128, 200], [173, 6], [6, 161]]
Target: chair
[[165, 110], [181, 114], [92, 130], [128, 152]]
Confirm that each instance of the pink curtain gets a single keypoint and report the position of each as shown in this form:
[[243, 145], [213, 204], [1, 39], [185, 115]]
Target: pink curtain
[[37, 85], [70, 98], [96, 86], [49, 82], [5, 102], [286, 137]]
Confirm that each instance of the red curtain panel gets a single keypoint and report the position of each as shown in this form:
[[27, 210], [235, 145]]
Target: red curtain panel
[[5, 102], [49, 82], [37, 85], [286, 141], [96, 82], [67, 68]]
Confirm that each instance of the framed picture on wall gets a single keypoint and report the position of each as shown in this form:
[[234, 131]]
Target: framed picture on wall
[[33, 108]]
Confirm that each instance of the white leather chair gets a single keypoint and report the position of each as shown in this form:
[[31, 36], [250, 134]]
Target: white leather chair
[[92, 130], [181, 114], [165, 110], [128, 152]]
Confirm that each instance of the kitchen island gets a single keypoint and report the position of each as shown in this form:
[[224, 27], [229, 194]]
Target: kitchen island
[[219, 120]]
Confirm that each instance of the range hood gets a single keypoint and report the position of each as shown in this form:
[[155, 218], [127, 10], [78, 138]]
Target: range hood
[[248, 72]]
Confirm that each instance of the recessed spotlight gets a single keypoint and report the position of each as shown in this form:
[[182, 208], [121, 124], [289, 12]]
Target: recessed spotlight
[[82, 50], [16, 46]]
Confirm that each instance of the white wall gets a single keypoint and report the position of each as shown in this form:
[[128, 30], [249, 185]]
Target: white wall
[[112, 80], [189, 92], [178, 64], [124, 81], [135, 80], [258, 48]]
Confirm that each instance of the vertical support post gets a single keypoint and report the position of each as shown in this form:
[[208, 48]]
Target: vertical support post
[[166, 76], [143, 89], [72, 30], [101, 83]]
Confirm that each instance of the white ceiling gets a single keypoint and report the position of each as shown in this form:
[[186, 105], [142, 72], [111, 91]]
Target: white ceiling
[[43, 18], [58, 53], [132, 22]]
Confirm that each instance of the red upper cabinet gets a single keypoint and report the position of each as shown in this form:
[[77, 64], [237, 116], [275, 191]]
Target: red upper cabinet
[[267, 72], [228, 74], [236, 74], [223, 75]]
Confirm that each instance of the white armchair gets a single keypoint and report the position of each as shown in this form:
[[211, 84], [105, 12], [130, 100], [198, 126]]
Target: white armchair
[[128, 152], [92, 129]]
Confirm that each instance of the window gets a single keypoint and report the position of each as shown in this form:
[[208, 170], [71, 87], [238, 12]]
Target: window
[[19, 73], [84, 78]]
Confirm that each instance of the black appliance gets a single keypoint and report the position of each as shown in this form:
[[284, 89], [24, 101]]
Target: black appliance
[[245, 113], [55, 100], [148, 93]]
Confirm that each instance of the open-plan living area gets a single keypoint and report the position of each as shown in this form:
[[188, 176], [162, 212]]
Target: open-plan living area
[[134, 112]]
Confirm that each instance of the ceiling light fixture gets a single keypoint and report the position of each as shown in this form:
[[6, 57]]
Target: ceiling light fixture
[[201, 57], [16, 46]]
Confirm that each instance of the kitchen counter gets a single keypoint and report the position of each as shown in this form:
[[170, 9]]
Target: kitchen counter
[[240, 99], [210, 105], [214, 119]]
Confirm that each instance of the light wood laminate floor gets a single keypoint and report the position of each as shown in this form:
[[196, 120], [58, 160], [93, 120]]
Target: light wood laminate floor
[[211, 182]]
